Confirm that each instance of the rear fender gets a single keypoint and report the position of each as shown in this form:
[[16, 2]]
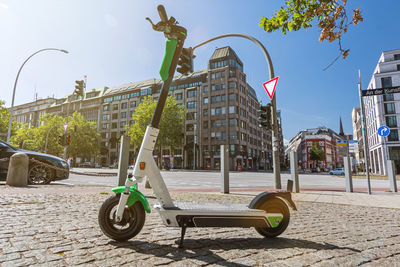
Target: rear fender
[[264, 196], [134, 196]]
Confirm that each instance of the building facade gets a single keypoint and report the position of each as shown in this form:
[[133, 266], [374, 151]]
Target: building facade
[[323, 137], [358, 135], [221, 108], [384, 110], [30, 113]]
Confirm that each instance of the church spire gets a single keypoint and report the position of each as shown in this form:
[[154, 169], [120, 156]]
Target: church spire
[[341, 127]]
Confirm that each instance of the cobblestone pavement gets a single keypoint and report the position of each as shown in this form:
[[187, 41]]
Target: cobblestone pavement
[[61, 229]]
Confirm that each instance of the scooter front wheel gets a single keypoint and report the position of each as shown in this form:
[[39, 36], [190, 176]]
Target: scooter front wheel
[[132, 219]]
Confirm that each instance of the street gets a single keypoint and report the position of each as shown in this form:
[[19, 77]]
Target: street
[[212, 180]]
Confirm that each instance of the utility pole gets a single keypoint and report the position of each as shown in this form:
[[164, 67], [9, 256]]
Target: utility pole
[[275, 145], [365, 136]]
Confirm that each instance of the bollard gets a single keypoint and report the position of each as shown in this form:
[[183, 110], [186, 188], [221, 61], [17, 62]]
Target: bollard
[[17, 174], [347, 172], [392, 175], [294, 173], [123, 160], [224, 169]]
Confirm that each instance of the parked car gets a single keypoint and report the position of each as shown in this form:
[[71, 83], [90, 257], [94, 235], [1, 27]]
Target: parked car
[[87, 164], [337, 171], [314, 170], [97, 165], [37, 173]]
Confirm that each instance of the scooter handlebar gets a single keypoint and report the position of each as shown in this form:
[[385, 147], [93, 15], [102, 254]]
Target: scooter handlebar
[[162, 13]]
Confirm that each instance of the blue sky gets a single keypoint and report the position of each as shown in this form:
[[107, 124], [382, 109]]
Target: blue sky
[[112, 43]]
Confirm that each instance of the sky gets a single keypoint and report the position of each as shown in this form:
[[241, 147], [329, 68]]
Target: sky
[[112, 43]]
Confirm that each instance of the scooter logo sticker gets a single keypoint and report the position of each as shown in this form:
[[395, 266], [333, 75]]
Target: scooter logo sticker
[[270, 86]]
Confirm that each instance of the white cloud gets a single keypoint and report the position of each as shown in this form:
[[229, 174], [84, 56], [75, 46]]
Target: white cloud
[[2, 5]]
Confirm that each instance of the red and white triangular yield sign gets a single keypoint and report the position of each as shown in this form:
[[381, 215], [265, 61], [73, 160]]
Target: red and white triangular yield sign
[[270, 87]]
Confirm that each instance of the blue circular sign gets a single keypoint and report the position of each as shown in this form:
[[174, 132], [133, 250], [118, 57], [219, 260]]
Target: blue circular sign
[[383, 131]]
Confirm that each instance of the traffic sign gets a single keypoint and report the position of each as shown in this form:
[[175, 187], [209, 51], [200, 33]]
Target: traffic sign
[[383, 131], [341, 142], [270, 86], [381, 91]]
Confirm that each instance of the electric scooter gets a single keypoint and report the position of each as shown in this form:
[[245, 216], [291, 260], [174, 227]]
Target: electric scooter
[[122, 216]]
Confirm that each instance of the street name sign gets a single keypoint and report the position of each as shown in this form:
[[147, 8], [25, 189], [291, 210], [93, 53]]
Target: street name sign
[[381, 91], [270, 86], [383, 131], [341, 142]]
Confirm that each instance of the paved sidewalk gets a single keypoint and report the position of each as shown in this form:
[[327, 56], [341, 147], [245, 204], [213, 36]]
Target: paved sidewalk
[[56, 225]]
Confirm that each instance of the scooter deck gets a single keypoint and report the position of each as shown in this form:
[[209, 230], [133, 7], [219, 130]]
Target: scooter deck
[[213, 207]]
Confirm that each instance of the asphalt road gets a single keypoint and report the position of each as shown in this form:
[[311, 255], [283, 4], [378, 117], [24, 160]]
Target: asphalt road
[[212, 180]]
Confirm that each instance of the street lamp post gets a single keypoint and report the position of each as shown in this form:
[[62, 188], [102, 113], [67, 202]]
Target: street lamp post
[[275, 140], [15, 86]]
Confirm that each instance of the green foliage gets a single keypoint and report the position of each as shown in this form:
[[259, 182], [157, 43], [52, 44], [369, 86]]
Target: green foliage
[[4, 119], [171, 123], [84, 142], [316, 153], [330, 15]]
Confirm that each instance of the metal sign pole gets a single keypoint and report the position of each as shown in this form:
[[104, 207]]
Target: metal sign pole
[[365, 138]]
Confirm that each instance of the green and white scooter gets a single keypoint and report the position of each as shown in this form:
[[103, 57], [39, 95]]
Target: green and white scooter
[[122, 216]]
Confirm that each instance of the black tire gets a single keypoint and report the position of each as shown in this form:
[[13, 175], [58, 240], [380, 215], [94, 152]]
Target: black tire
[[274, 205], [39, 174], [132, 222]]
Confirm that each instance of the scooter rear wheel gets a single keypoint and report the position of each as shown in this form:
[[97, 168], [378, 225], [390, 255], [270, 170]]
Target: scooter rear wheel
[[132, 219], [274, 205]]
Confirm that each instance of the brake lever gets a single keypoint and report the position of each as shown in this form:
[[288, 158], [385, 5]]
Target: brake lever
[[163, 26]]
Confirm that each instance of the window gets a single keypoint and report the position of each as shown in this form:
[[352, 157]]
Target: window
[[124, 105], [388, 97], [205, 124], [106, 117], [205, 112], [115, 107], [191, 116], [394, 135], [123, 123], [309, 143], [212, 111], [390, 108], [232, 122], [106, 108], [232, 73], [386, 82], [106, 100], [191, 104], [114, 125], [115, 116], [212, 87], [219, 111], [232, 109], [105, 126], [391, 121], [205, 89], [178, 96], [232, 85], [205, 101], [205, 149], [133, 104], [396, 56], [232, 97], [189, 127], [321, 143], [191, 93], [123, 115], [212, 76], [145, 91]]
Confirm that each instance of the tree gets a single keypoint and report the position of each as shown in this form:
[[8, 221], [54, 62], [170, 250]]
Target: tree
[[51, 125], [26, 137], [4, 119], [330, 15], [171, 123], [84, 137], [316, 153]]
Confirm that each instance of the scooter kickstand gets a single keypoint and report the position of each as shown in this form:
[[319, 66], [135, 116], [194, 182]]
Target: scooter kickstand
[[182, 236]]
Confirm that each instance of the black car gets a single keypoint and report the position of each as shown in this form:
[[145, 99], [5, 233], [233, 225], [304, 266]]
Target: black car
[[37, 173]]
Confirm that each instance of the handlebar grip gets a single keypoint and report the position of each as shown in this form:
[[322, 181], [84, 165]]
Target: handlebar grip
[[162, 13]]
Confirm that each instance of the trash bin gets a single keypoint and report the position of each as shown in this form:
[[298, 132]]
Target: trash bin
[[239, 168]]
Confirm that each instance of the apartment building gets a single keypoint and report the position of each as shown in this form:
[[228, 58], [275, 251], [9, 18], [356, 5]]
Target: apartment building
[[88, 106], [221, 108], [31, 112], [384, 110], [323, 137]]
